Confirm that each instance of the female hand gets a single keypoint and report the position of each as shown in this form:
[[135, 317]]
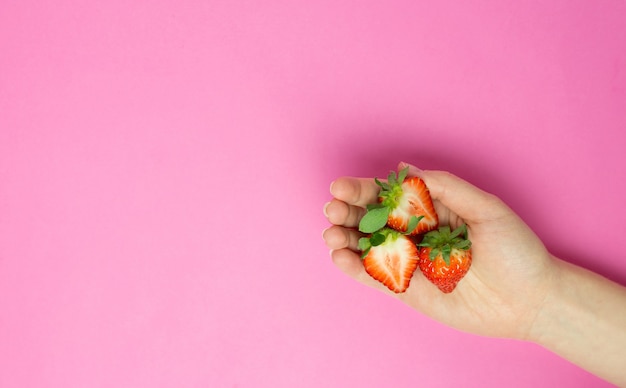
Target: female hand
[[511, 270]]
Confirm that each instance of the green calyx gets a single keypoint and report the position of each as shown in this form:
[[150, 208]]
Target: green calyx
[[443, 241], [390, 193], [381, 234], [377, 238]]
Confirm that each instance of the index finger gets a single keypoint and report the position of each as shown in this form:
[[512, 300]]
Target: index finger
[[464, 199], [355, 191]]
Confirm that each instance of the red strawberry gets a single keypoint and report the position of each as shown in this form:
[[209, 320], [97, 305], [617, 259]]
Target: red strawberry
[[390, 257], [400, 200], [445, 257]]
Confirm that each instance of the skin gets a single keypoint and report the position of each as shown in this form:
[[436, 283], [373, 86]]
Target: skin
[[515, 287]]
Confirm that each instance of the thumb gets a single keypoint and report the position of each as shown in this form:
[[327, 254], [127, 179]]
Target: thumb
[[464, 199]]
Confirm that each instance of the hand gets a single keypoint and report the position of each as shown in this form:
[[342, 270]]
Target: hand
[[511, 271]]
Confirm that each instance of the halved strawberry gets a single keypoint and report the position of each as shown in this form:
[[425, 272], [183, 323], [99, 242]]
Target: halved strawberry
[[390, 257], [445, 257], [401, 199]]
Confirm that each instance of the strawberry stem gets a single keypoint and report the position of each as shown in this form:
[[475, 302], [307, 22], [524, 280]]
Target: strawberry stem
[[442, 241]]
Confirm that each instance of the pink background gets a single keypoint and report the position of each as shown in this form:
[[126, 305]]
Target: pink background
[[163, 166]]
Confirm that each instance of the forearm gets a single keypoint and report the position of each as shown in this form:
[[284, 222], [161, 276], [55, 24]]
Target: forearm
[[583, 319]]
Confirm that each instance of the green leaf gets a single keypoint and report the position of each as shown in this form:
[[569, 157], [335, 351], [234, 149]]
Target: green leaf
[[364, 243], [377, 239], [391, 178], [413, 221], [445, 252], [364, 246], [402, 174], [374, 220], [383, 185], [460, 231], [463, 244], [373, 206]]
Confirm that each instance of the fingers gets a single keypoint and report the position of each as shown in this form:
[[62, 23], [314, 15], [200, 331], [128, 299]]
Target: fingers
[[337, 237], [355, 191], [464, 199], [340, 213], [350, 263], [351, 197]]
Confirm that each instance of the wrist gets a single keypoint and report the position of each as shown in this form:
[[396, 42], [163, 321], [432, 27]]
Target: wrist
[[582, 319], [548, 314]]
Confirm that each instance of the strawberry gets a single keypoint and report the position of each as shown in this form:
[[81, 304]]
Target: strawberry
[[390, 257], [401, 199], [445, 257]]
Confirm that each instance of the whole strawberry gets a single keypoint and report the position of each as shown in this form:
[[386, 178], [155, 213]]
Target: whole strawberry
[[390, 257], [400, 201], [445, 257]]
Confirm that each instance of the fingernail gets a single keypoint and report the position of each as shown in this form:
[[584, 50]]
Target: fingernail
[[326, 207], [411, 167]]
